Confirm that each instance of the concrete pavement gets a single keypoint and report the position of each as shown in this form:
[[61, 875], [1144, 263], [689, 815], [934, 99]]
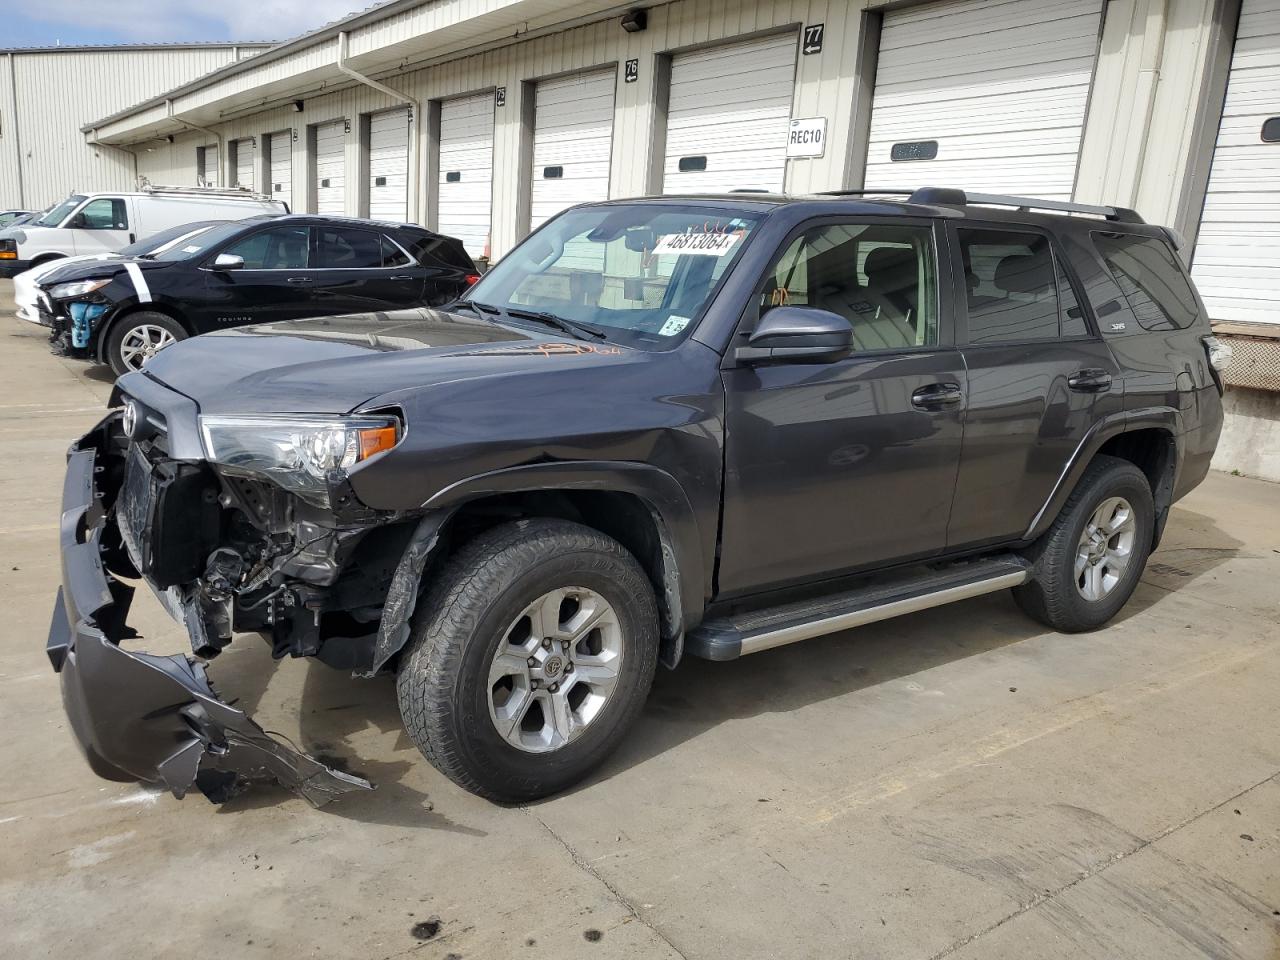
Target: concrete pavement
[[959, 783]]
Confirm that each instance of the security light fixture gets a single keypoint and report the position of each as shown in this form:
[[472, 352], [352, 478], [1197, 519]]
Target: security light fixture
[[297, 106], [635, 21]]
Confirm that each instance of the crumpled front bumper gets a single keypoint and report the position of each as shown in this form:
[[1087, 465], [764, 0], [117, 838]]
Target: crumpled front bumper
[[143, 717]]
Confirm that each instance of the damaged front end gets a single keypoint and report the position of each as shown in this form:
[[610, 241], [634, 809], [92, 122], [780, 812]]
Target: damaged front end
[[131, 510]]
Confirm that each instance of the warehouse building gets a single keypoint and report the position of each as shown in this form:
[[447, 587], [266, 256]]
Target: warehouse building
[[483, 119], [45, 92]]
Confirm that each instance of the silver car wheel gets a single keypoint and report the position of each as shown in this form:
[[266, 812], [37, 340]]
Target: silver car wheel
[[143, 342], [1105, 548], [555, 669]]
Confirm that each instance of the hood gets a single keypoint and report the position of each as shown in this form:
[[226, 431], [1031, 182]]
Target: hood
[[337, 364], [95, 267], [69, 263]]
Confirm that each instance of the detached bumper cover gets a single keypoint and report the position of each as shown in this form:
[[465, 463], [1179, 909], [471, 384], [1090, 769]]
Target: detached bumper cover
[[141, 717]]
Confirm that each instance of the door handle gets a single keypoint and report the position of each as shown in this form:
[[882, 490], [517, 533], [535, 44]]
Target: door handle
[[299, 280], [934, 396], [402, 276], [1090, 380]]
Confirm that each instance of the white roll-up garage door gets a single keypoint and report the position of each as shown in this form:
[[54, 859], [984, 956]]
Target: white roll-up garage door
[[728, 116], [207, 166], [329, 175], [984, 95], [1237, 256], [244, 152], [389, 165], [465, 203], [280, 165], [572, 142]]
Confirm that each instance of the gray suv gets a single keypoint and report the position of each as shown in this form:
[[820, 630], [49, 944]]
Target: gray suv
[[703, 425]]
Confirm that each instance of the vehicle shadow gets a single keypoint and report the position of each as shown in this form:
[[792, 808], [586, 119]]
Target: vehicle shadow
[[701, 695], [337, 713]]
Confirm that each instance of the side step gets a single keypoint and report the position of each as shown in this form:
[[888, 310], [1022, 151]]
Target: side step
[[881, 598]]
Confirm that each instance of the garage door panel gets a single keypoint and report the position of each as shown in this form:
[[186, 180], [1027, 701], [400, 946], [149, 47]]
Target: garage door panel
[[280, 160], [573, 131], [389, 163], [244, 164], [330, 165], [730, 104], [1236, 263], [1001, 86], [465, 204]]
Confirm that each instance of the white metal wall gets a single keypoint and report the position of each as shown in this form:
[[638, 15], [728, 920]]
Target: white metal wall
[[728, 114], [572, 142], [1237, 256], [329, 175], [389, 165], [1001, 87], [280, 165], [54, 92], [465, 204]]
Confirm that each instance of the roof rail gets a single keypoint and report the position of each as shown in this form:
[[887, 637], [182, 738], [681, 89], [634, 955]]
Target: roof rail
[[948, 195], [231, 193]]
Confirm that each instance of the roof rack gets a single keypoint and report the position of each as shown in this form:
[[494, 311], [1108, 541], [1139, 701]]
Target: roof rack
[[234, 193], [953, 197]]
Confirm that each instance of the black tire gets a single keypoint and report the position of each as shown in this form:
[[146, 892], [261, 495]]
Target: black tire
[[133, 321], [1051, 595], [442, 682]]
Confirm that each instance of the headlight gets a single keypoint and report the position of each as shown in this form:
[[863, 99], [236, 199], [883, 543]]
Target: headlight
[[302, 454], [77, 288]]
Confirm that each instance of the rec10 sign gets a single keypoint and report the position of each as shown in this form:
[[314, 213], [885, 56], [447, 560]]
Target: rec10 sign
[[807, 137]]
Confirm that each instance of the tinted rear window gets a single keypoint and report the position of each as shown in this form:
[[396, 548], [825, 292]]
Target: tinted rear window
[[1151, 278]]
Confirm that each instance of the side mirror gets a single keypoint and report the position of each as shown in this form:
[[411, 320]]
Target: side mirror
[[77, 222], [228, 261], [798, 335]]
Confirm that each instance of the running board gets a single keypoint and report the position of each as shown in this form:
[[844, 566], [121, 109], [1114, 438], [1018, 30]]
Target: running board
[[730, 637]]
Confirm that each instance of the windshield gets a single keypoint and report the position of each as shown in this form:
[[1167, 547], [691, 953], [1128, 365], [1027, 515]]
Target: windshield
[[640, 273], [164, 240], [58, 213], [195, 246]]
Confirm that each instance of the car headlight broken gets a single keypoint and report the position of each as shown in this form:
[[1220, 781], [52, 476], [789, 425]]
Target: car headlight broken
[[77, 288], [303, 454]]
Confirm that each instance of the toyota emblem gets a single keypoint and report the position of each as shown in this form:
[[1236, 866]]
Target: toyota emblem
[[130, 418]]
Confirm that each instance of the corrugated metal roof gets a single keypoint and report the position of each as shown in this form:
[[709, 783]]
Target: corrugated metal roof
[[135, 47], [286, 48]]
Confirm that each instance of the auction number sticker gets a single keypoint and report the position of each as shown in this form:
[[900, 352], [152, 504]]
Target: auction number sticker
[[703, 244]]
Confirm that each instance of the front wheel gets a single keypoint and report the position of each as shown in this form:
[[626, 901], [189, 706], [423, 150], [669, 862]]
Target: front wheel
[[139, 337], [530, 659], [1089, 562]]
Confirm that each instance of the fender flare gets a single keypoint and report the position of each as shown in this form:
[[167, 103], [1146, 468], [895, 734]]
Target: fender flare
[[684, 575], [1109, 427]]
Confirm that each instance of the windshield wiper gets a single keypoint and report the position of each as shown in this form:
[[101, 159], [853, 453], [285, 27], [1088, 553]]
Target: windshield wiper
[[579, 331]]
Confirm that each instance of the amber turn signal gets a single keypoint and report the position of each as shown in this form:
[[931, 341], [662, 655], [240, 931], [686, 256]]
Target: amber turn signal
[[376, 439]]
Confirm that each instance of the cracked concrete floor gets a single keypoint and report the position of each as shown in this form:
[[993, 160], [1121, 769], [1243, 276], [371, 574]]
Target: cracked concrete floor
[[958, 783]]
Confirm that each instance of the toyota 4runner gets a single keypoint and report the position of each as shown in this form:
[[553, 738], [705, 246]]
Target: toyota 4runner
[[681, 426]]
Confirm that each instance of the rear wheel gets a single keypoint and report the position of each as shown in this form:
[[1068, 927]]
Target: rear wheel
[[1089, 562], [530, 660], [139, 337]]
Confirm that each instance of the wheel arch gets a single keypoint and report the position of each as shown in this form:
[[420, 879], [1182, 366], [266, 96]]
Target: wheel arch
[[104, 332], [1147, 438], [640, 506]]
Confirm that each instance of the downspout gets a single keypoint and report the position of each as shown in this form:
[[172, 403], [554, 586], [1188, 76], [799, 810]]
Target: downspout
[[415, 110], [13, 124], [1144, 95], [205, 130]]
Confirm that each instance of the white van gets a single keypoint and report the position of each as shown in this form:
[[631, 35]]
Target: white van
[[88, 224]]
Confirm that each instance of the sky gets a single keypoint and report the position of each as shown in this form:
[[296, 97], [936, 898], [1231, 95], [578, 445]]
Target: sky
[[49, 22]]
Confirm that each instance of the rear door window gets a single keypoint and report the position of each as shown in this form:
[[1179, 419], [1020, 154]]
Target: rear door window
[[1016, 290], [1151, 279], [341, 248], [392, 255]]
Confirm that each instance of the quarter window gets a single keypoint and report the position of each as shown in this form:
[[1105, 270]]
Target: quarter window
[[104, 214], [393, 256], [1016, 289], [280, 248], [1151, 279], [880, 278]]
